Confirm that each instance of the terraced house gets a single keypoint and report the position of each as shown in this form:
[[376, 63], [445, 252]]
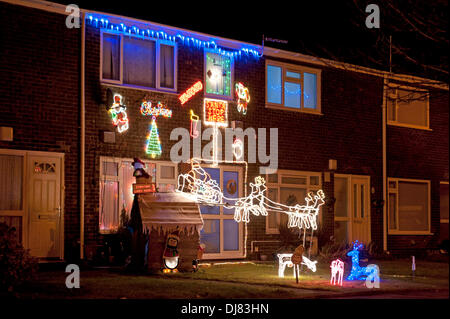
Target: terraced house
[[375, 142]]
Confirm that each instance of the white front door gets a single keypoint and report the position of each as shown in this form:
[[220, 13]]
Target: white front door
[[44, 205], [352, 208]]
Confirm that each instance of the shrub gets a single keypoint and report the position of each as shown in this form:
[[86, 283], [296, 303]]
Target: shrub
[[16, 264]]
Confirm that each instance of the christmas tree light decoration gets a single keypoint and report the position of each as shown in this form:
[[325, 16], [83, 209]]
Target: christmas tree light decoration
[[243, 97], [153, 146], [194, 122], [153, 143], [118, 114], [194, 89], [371, 272], [337, 268]]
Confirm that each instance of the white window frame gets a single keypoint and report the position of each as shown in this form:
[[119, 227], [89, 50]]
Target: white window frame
[[212, 95], [395, 191], [298, 69], [119, 178], [412, 89], [443, 221], [223, 254], [158, 43], [278, 185]]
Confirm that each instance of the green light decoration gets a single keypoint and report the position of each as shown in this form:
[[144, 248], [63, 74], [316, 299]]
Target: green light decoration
[[153, 143], [218, 74]]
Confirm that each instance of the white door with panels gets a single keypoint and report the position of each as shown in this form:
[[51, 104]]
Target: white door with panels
[[44, 206], [352, 208]]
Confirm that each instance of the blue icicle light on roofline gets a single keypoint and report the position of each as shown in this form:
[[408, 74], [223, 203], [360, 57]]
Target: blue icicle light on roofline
[[103, 23]]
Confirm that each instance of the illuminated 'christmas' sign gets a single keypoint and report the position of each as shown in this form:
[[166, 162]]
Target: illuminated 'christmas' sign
[[194, 89], [215, 112], [148, 110]]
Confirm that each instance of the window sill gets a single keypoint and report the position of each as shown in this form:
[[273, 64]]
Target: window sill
[[289, 109], [407, 233], [272, 232], [136, 87], [424, 128], [218, 97]]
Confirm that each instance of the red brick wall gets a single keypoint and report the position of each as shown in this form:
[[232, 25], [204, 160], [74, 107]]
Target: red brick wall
[[421, 154], [39, 94]]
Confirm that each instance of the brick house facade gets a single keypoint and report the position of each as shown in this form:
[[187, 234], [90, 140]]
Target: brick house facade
[[42, 61]]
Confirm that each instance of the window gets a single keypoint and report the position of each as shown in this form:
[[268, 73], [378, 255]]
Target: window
[[289, 188], [116, 190], [11, 168], [409, 206], [218, 75], [292, 87], [137, 62], [408, 107]]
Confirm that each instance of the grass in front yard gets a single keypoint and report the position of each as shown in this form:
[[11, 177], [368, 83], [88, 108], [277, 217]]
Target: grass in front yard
[[247, 280]]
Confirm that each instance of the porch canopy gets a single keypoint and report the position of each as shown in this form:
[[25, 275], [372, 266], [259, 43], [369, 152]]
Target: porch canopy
[[169, 211]]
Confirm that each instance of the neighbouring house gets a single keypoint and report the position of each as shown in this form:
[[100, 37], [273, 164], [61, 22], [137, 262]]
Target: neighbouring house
[[77, 109]]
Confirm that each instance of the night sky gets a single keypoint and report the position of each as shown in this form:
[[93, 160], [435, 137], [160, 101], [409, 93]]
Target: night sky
[[328, 29]]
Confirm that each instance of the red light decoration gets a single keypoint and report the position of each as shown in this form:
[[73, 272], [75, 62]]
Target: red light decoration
[[215, 112], [194, 89]]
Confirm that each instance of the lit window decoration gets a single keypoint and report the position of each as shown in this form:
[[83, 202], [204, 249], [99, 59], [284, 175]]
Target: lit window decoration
[[218, 74], [194, 89], [206, 191], [102, 22], [371, 272], [243, 97], [194, 122], [118, 114], [337, 268], [153, 146]]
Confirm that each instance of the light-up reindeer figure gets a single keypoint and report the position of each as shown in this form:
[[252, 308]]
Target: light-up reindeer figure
[[370, 273], [283, 261], [337, 268], [253, 203]]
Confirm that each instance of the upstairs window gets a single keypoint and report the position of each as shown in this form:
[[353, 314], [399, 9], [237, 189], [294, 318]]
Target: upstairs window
[[292, 87], [218, 75], [137, 62], [408, 107]]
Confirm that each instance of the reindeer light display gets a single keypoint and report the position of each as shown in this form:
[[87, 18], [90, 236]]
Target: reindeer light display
[[337, 268], [371, 273]]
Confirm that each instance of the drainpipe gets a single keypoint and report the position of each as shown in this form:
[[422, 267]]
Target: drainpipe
[[384, 122], [82, 133]]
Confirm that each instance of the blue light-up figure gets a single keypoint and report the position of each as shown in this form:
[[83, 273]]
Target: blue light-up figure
[[370, 273]]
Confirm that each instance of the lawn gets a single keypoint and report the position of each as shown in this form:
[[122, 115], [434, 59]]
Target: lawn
[[244, 280]]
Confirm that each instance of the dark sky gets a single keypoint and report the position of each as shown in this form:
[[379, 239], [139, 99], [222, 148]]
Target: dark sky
[[327, 29]]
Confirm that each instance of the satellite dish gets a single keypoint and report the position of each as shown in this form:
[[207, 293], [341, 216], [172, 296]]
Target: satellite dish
[[109, 99]]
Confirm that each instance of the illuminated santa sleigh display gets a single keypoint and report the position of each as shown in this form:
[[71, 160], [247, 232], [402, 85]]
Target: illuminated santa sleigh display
[[198, 185]]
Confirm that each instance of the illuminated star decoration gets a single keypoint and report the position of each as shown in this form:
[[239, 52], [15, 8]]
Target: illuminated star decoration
[[118, 114], [357, 272], [153, 146], [243, 97]]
